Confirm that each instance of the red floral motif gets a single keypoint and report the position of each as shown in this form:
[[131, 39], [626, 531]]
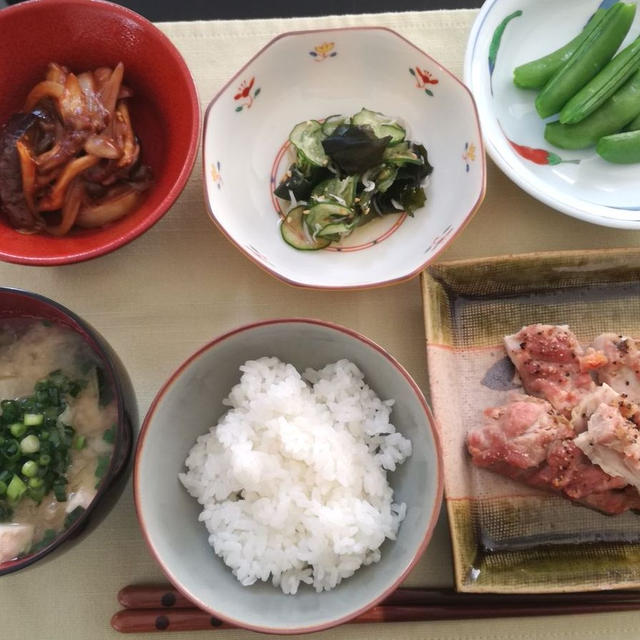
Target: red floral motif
[[245, 94], [423, 78], [245, 89]]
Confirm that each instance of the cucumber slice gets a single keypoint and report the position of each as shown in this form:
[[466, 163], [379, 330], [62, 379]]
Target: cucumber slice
[[386, 177], [335, 230], [401, 154], [331, 123], [296, 235], [307, 138], [335, 190], [364, 203], [323, 214], [382, 125]]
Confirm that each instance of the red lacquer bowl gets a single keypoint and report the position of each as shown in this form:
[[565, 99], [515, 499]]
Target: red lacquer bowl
[[84, 35]]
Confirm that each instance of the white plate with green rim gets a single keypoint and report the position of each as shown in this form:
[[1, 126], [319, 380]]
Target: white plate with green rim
[[508, 33]]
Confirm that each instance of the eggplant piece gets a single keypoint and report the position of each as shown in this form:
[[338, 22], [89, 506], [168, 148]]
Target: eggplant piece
[[12, 200]]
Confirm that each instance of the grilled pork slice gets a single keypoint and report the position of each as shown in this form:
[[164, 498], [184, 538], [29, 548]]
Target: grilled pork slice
[[622, 371], [517, 434], [612, 440], [526, 440], [589, 404], [552, 364]]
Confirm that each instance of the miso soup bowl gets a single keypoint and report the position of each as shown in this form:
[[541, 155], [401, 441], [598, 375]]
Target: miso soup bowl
[[191, 402], [15, 303]]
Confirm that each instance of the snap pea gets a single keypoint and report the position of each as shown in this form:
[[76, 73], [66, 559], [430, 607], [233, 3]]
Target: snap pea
[[592, 54], [620, 148], [634, 125], [535, 74], [620, 109], [604, 85]]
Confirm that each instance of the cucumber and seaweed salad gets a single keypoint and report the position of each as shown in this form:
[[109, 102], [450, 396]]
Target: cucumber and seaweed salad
[[349, 171]]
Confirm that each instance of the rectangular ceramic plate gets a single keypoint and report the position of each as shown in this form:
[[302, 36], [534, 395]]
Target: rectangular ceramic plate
[[508, 537]]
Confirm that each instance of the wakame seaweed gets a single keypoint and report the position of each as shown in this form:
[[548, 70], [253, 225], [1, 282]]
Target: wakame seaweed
[[348, 172]]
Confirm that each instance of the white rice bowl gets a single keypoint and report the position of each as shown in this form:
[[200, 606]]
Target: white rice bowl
[[292, 479]]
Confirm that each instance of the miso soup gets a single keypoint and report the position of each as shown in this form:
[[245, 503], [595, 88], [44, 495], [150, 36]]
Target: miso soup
[[58, 420]]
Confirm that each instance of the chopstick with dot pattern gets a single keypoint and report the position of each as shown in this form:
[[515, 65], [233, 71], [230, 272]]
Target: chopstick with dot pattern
[[162, 608]]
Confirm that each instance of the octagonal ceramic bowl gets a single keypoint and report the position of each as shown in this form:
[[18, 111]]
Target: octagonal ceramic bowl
[[508, 33], [311, 75]]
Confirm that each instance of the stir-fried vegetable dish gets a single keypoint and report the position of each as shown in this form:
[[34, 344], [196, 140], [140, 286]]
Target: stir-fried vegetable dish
[[349, 171], [71, 157]]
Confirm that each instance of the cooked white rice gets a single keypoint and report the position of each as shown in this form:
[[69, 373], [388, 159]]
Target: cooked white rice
[[293, 477]]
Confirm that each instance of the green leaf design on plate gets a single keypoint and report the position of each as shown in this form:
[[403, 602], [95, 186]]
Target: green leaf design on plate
[[497, 38], [238, 108], [554, 158], [429, 92]]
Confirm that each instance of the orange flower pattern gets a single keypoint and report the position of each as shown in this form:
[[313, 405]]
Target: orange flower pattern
[[469, 154], [323, 51], [215, 174]]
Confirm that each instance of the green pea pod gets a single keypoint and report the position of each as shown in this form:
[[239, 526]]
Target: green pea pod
[[620, 109], [535, 74], [634, 125], [621, 148], [604, 85], [592, 55]]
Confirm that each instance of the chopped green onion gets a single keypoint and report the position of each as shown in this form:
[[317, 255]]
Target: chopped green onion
[[35, 445], [17, 429], [10, 450], [73, 516], [102, 466], [10, 411], [60, 491], [36, 494], [30, 444], [33, 419], [16, 489], [29, 469]]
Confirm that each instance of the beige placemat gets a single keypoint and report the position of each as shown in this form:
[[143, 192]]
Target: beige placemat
[[161, 297]]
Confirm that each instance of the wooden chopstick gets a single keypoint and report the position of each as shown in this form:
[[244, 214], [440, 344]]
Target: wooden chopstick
[[146, 620], [163, 608], [148, 596]]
